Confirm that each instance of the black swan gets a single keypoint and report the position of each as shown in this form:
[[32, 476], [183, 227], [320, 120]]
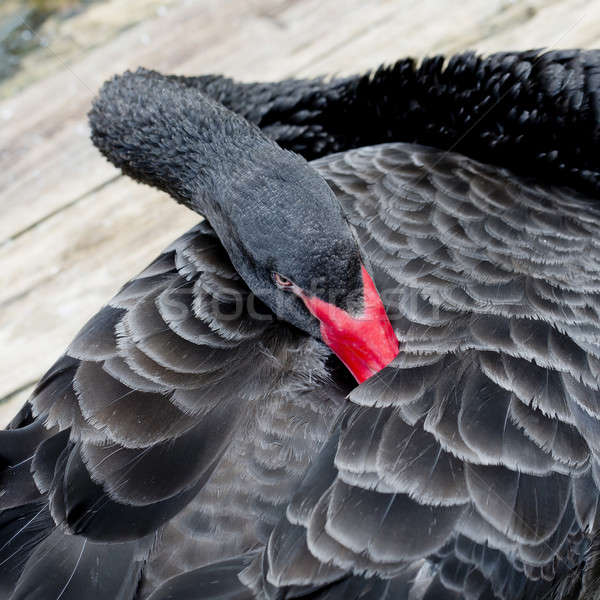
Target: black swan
[[375, 375]]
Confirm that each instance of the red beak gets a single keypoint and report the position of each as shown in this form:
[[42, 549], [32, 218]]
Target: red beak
[[365, 344]]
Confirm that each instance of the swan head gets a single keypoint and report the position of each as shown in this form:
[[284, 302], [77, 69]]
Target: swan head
[[280, 223]]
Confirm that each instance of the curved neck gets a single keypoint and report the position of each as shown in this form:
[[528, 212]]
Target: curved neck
[[179, 141]]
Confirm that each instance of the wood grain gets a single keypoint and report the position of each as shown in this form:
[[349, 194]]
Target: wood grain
[[72, 230]]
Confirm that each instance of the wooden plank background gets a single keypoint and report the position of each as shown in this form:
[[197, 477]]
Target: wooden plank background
[[73, 230]]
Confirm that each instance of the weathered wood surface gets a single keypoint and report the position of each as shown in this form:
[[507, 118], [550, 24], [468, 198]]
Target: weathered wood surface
[[72, 230]]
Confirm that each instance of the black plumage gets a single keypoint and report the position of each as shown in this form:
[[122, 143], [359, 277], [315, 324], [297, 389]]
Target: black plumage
[[191, 444], [535, 112]]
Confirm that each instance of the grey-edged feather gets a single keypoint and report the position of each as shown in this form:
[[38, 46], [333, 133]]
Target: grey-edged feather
[[482, 430]]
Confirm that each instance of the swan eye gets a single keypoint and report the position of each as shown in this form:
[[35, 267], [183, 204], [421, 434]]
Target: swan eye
[[283, 283]]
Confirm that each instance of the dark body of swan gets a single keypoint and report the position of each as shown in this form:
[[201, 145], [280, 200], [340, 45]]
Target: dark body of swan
[[200, 455]]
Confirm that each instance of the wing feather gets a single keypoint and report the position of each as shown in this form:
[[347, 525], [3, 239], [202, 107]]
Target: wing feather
[[153, 410], [470, 457]]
